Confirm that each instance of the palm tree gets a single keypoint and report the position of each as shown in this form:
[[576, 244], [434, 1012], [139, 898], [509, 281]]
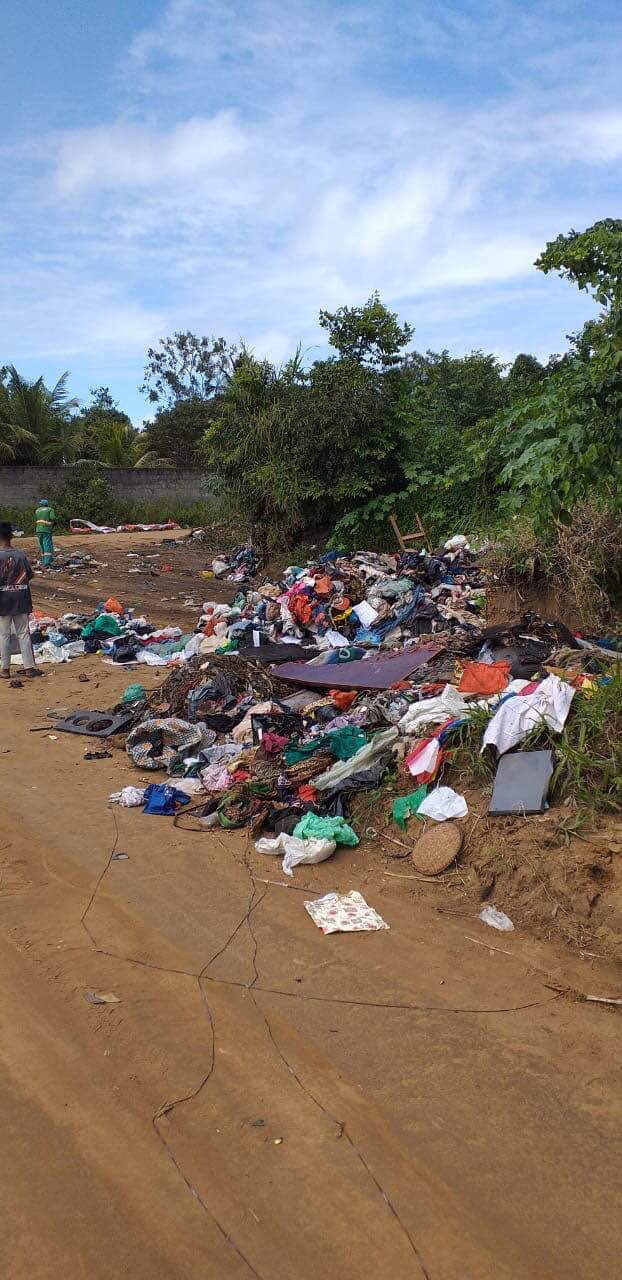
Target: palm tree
[[116, 442], [39, 422]]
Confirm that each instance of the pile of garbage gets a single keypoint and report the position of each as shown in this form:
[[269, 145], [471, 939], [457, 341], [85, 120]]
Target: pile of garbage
[[391, 655]]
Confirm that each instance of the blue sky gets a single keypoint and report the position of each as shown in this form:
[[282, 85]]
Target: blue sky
[[231, 166]]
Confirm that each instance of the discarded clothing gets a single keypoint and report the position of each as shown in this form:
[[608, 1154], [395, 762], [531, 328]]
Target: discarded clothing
[[549, 704], [162, 800], [424, 762], [433, 710], [379, 746], [484, 677], [344, 913], [129, 797]]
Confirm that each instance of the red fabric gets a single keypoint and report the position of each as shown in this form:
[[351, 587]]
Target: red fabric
[[484, 677], [323, 585], [273, 743], [343, 698], [307, 794]]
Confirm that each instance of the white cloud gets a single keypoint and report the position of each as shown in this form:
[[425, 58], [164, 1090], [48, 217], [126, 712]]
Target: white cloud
[[267, 160]]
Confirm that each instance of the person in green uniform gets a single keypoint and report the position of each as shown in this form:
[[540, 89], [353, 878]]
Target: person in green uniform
[[45, 517]]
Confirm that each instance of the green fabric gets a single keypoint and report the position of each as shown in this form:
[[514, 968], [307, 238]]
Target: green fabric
[[405, 806], [342, 743], [103, 625], [293, 754], [314, 827]]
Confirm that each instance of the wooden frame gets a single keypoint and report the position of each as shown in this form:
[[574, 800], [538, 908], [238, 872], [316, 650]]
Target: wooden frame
[[419, 536]]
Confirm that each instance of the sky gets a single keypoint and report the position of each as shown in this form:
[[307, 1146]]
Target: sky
[[232, 166]]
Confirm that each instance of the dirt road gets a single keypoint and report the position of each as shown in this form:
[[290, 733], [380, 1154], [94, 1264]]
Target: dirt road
[[264, 1101]]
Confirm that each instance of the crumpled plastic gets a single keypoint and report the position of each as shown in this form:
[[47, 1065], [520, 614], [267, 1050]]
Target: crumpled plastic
[[129, 797], [443, 803], [295, 851], [448, 704], [496, 919], [405, 806], [380, 745], [516, 716], [313, 827]]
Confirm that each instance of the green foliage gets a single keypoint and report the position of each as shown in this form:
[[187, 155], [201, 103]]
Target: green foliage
[[370, 334], [86, 495], [108, 435], [185, 367], [36, 422], [176, 432]]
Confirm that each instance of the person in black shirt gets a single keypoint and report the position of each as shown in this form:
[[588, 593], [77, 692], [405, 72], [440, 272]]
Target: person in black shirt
[[15, 604]]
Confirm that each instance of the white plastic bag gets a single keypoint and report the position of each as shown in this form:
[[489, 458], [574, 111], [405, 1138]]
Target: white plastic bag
[[496, 919], [295, 851], [443, 803]]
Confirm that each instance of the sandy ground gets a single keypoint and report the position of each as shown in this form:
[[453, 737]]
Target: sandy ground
[[264, 1101]]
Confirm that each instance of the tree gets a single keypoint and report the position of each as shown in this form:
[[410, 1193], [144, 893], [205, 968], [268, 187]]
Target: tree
[[108, 433], [186, 367], [176, 432], [370, 334], [257, 448], [38, 420], [564, 444], [524, 376]]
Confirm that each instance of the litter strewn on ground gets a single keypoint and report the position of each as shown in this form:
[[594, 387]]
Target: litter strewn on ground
[[330, 679]]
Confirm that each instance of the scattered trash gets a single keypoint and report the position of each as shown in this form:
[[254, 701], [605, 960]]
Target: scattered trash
[[102, 754], [496, 919], [120, 857], [94, 724], [550, 703], [129, 797], [406, 806], [297, 851], [522, 783], [344, 913], [443, 803], [101, 997], [605, 999]]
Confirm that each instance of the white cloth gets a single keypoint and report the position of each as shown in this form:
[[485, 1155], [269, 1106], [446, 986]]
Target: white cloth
[[433, 710], [550, 703], [443, 803], [296, 851], [129, 797]]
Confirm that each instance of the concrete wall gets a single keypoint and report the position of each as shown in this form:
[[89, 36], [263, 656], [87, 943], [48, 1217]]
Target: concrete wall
[[23, 486]]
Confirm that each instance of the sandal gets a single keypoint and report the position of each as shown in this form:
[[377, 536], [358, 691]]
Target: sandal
[[31, 673]]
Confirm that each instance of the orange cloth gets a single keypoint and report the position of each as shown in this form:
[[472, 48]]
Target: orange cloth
[[113, 606], [484, 677], [307, 794], [343, 698], [301, 608], [323, 585]]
